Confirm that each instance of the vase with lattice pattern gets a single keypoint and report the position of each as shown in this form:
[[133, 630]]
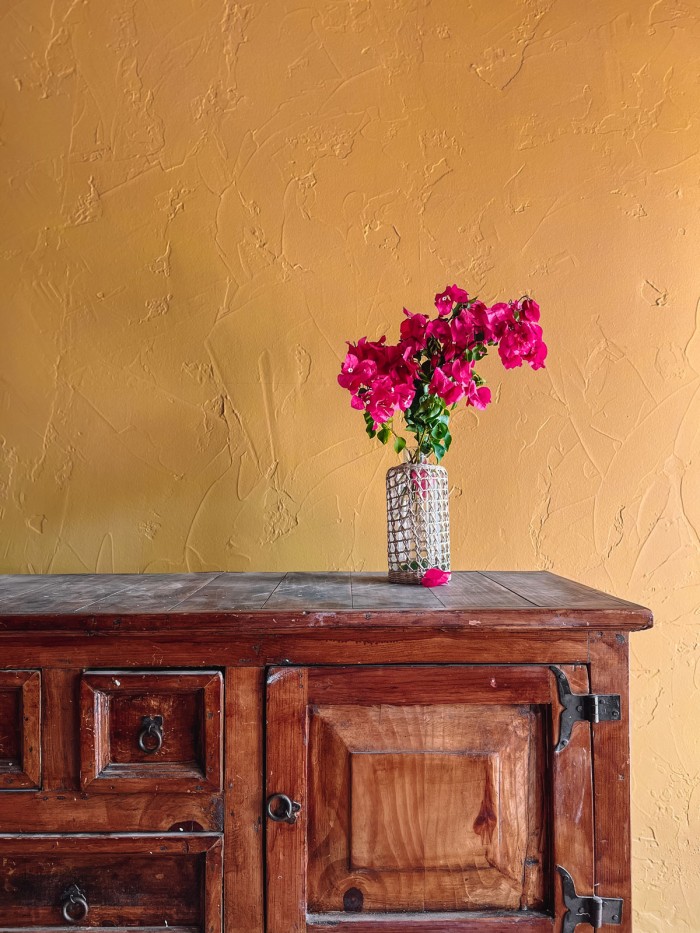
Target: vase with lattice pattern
[[418, 518]]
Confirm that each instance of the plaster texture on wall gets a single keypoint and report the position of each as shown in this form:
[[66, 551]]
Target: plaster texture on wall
[[202, 200]]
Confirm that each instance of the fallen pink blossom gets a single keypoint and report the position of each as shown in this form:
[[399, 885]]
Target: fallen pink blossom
[[435, 577]]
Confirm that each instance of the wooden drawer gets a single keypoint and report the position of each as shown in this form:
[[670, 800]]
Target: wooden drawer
[[20, 730], [169, 883], [151, 731]]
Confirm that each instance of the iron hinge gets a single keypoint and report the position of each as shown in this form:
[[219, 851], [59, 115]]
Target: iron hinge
[[587, 908], [582, 707]]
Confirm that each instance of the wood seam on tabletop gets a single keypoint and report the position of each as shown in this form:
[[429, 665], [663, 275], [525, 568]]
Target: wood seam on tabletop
[[431, 589], [436, 596], [135, 585], [198, 590], [279, 584], [104, 596], [487, 574]]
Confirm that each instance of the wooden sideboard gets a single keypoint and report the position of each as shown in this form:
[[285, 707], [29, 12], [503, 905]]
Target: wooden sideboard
[[277, 753]]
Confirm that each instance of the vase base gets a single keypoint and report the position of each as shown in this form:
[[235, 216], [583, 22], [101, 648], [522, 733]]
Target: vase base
[[405, 576]]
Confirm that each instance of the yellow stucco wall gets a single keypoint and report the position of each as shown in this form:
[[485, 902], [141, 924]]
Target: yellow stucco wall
[[202, 200]]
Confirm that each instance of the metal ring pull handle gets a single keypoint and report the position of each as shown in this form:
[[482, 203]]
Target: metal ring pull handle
[[282, 809], [151, 734], [74, 905]]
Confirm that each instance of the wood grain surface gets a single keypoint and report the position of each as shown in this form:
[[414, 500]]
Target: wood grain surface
[[143, 880], [244, 827], [286, 774], [256, 602], [457, 922], [611, 770], [572, 816]]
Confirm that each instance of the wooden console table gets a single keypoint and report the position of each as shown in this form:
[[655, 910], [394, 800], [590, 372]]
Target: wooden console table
[[278, 753]]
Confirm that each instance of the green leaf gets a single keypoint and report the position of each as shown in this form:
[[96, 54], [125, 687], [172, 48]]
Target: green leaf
[[384, 434], [439, 430], [439, 451], [399, 444]]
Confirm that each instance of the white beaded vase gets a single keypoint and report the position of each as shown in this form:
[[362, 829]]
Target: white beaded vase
[[418, 520]]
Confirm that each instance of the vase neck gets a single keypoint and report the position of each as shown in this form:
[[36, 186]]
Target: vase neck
[[414, 455]]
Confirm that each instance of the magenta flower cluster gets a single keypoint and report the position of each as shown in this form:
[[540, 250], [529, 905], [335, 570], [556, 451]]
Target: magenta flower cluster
[[432, 367]]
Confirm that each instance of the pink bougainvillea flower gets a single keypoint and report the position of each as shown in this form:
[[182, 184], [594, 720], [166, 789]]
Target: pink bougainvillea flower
[[529, 310], [440, 385], [435, 577], [413, 336], [397, 366], [463, 328], [478, 396], [451, 296], [522, 341], [356, 373], [385, 398], [440, 330], [495, 319], [460, 370]]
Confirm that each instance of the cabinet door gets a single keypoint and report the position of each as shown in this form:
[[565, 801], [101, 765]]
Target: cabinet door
[[423, 799]]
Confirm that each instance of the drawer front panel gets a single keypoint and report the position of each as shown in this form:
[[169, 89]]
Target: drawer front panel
[[20, 730], [155, 731], [136, 881]]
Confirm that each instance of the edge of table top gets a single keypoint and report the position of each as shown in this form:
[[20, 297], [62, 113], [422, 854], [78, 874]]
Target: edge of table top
[[296, 601]]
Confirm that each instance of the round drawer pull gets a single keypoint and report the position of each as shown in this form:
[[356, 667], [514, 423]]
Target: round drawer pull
[[151, 734], [282, 809], [74, 905]]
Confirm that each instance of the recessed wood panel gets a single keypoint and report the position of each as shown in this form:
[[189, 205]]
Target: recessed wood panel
[[10, 725], [431, 810], [158, 882], [425, 807], [118, 754], [20, 730]]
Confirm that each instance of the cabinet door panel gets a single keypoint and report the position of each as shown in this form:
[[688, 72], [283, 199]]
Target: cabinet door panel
[[424, 792], [437, 806]]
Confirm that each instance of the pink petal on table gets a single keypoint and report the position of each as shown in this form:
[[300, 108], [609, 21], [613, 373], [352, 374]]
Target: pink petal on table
[[435, 577]]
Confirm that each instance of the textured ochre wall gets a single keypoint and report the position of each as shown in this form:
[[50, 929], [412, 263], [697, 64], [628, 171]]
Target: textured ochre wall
[[202, 200]]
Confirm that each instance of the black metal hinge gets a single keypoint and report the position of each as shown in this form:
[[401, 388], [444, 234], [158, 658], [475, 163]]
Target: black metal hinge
[[598, 911], [582, 707]]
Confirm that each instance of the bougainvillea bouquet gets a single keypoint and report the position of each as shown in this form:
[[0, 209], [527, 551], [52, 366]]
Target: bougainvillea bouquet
[[424, 377], [432, 367]]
